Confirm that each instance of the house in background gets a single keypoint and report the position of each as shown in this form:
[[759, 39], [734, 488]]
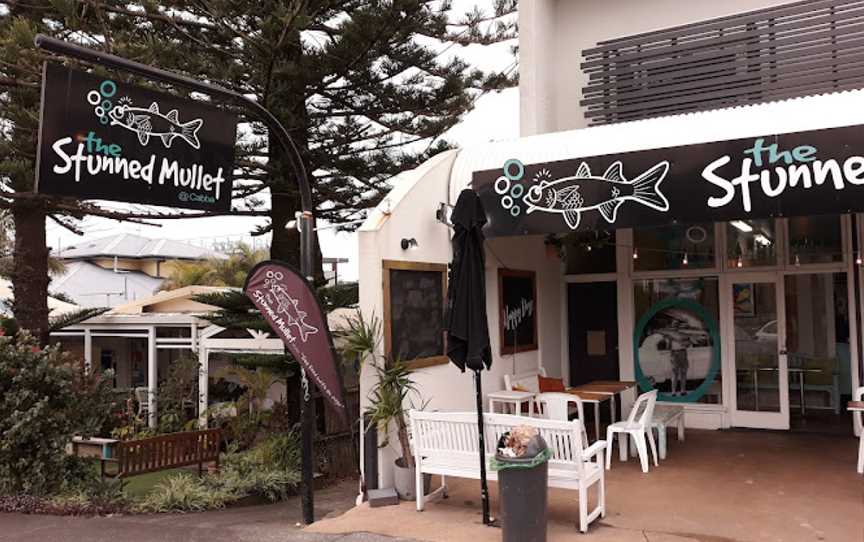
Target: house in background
[[140, 340], [56, 307], [331, 269], [120, 269]]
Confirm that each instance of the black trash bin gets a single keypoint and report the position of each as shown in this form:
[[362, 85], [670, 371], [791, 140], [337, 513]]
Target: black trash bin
[[523, 494]]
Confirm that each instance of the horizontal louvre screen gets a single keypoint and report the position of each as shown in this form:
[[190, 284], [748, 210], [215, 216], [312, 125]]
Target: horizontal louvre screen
[[787, 51]]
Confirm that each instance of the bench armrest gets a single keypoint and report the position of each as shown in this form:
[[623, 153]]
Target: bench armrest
[[593, 450]]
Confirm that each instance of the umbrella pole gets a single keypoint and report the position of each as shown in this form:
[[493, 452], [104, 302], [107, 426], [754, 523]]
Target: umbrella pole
[[484, 487]]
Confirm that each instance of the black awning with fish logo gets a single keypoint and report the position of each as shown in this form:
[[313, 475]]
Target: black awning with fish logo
[[793, 174]]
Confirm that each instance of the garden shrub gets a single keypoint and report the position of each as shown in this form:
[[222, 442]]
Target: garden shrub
[[36, 394], [269, 471], [176, 391], [42, 405], [183, 492]]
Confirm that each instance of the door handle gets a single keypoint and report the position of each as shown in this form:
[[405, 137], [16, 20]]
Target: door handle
[[783, 352]]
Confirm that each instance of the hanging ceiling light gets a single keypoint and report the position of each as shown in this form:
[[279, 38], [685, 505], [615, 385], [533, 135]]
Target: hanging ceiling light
[[635, 254], [742, 226], [740, 262], [684, 261], [858, 260]]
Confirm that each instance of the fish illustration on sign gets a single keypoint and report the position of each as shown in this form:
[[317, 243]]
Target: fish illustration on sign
[[572, 196], [147, 123], [287, 305]]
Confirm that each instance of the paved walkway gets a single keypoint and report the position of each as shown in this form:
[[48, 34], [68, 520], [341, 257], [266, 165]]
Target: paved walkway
[[718, 486], [278, 522]]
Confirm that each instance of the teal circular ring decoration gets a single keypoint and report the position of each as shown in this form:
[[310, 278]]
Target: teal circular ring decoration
[[713, 331], [519, 167], [105, 86]]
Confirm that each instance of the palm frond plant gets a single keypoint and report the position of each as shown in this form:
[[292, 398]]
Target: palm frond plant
[[360, 338], [394, 393], [257, 384], [388, 399]]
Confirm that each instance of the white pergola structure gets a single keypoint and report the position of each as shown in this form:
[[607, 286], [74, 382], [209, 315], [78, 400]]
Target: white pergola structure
[[139, 326], [209, 342]]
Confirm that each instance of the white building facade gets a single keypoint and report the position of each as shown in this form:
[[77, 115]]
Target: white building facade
[[748, 318]]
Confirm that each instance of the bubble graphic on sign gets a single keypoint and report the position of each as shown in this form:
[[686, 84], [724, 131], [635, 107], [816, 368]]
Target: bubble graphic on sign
[[101, 99], [509, 186]]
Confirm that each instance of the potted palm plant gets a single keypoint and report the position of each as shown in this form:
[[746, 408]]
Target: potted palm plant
[[390, 398]]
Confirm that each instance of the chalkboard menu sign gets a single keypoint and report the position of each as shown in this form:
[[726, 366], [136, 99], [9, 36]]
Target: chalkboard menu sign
[[517, 299], [414, 299]]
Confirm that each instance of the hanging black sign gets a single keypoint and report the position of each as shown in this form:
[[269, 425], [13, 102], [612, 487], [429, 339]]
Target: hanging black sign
[[802, 173], [104, 139]]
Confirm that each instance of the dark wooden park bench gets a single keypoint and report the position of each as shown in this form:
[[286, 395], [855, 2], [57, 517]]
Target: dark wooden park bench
[[134, 457]]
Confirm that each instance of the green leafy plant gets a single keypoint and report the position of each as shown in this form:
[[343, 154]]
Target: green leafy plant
[[42, 396], [178, 395], [394, 392], [257, 384], [360, 337], [345, 294], [270, 471], [183, 492], [388, 398]]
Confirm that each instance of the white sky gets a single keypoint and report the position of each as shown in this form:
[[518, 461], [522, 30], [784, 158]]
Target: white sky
[[495, 117]]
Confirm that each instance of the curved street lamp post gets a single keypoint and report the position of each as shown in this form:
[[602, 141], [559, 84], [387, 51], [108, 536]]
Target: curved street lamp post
[[305, 219]]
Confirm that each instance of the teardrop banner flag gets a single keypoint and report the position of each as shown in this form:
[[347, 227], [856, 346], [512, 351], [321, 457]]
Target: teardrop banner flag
[[288, 303]]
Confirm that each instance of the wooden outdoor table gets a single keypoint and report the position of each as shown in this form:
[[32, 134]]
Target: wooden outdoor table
[[596, 399], [609, 385], [511, 398], [856, 406], [610, 388]]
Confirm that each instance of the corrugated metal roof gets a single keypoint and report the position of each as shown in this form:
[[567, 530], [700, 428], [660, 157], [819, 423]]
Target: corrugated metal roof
[[56, 306], [126, 245], [93, 286]]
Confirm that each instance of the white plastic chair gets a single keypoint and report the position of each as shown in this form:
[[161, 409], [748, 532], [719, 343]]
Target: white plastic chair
[[142, 395], [557, 406], [526, 380], [638, 428], [859, 396]]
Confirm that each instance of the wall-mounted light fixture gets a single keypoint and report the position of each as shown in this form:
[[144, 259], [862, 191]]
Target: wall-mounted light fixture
[[443, 214], [409, 243]]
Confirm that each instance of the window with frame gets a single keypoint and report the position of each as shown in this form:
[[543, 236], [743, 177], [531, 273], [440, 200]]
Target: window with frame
[[815, 239], [673, 247], [677, 338], [751, 243]]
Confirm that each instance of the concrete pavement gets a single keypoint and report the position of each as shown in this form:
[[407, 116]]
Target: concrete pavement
[[277, 522]]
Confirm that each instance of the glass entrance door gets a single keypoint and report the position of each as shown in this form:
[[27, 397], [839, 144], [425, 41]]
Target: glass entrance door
[[755, 342]]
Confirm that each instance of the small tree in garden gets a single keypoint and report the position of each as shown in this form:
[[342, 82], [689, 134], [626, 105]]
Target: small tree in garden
[[43, 399], [395, 387], [178, 395]]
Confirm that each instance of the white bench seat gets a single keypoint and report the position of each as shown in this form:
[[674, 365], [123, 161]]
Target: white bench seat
[[446, 444], [666, 416]]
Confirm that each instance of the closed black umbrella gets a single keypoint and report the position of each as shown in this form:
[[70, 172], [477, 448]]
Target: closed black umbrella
[[467, 328]]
